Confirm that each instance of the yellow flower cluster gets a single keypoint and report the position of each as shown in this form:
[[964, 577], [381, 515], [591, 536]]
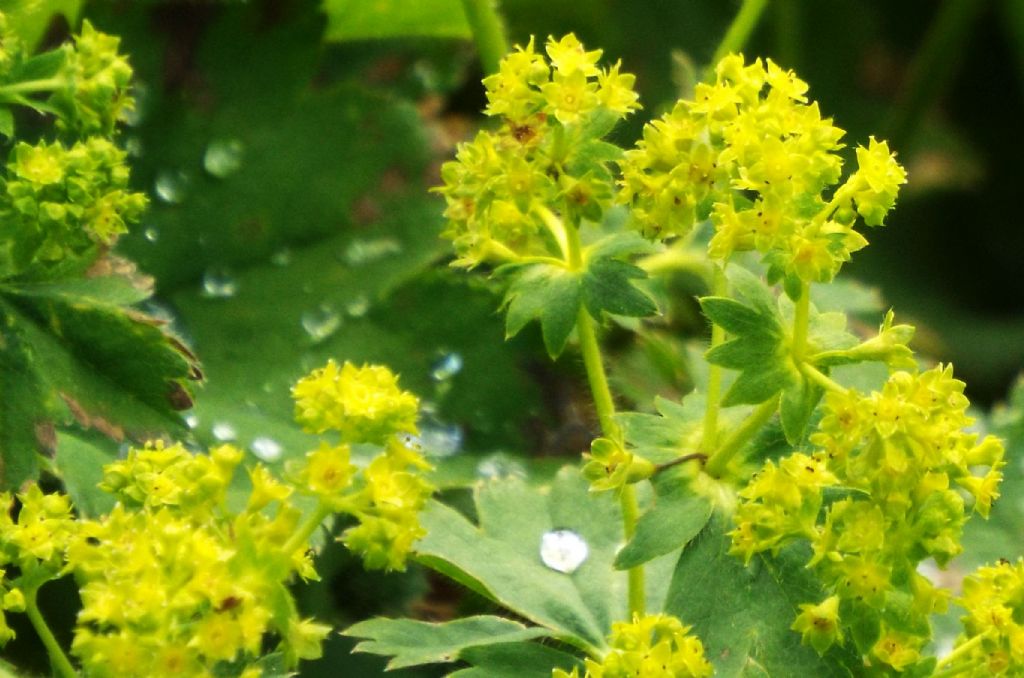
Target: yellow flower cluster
[[751, 154], [993, 640], [896, 453], [97, 97], [364, 404], [61, 200], [652, 646], [610, 466], [546, 155], [172, 581]]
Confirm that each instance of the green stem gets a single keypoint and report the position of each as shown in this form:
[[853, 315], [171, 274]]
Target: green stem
[[693, 456], [630, 516], [801, 323], [562, 236], [61, 664], [306, 528], [719, 288], [959, 652], [741, 436], [820, 378], [605, 406], [743, 24], [934, 64], [488, 32], [32, 86], [787, 32]]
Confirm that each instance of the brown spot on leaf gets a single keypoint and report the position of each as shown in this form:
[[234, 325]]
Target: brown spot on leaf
[[179, 397], [87, 420], [46, 436]]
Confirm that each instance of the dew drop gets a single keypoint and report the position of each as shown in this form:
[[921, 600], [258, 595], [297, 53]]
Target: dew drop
[[224, 432], [360, 252], [441, 440], [321, 322], [281, 258], [191, 421], [218, 283], [266, 449], [223, 157], [358, 306], [563, 550], [446, 367], [133, 147], [171, 186], [500, 465], [152, 234]]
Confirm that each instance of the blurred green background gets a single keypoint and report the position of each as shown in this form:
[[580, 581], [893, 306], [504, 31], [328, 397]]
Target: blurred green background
[[288, 145]]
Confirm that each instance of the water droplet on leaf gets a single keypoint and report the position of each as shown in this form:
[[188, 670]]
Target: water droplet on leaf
[[500, 465], [171, 186], [441, 440], [266, 449], [191, 421], [563, 550], [281, 258], [447, 367], [361, 252], [224, 432], [223, 157], [218, 283], [358, 307], [321, 322], [152, 234]]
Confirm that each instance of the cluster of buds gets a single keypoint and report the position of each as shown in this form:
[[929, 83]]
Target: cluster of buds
[[547, 155], [653, 646], [62, 201], [364, 405], [751, 154], [70, 198], [895, 455]]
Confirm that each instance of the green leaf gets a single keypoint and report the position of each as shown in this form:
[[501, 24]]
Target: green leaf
[[6, 122], [608, 287], [30, 18], [676, 518], [797, 407], [502, 556], [23, 412], [549, 293], [515, 660], [758, 349], [361, 20], [742, 614], [80, 459], [412, 643], [73, 349]]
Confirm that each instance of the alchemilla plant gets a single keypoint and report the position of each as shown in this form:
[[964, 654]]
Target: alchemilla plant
[[777, 521]]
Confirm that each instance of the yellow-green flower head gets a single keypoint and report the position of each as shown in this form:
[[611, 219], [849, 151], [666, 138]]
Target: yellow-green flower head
[[780, 503], [611, 467], [900, 450], [993, 628], [753, 155], [327, 473], [364, 404], [652, 646], [66, 201], [818, 624], [96, 97], [39, 535], [546, 156]]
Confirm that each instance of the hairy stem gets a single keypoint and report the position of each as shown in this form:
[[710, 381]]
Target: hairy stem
[[719, 288], [956, 654], [61, 664], [32, 86], [820, 378], [605, 406], [741, 436], [488, 32], [801, 323], [306, 528], [743, 24]]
